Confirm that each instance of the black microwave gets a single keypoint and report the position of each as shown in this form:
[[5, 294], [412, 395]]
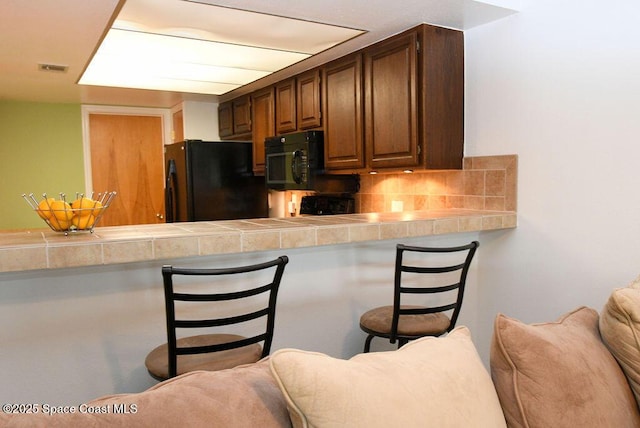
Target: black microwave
[[292, 161]]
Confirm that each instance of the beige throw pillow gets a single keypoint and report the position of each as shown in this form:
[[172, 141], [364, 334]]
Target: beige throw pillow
[[437, 382], [559, 374], [620, 329]]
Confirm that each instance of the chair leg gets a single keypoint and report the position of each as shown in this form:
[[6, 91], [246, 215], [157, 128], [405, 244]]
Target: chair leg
[[367, 343]]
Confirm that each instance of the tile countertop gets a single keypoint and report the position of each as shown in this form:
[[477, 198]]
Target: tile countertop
[[46, 249]]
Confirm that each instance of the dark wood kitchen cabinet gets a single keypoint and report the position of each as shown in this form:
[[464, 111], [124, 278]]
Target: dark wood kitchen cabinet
[[286, 106], [342, 113], [442, 97], [263, 124], [398, 104], [242, 115], [298, 103], [234, 119], [225, 119], [414, 100], [308, 100], [391, 102]]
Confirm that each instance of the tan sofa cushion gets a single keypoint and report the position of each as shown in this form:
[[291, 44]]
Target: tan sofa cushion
[[245, 396], [620, 330], [438, 382], [559, 374]]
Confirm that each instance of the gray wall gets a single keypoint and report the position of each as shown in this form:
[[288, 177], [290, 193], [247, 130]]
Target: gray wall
[[558, 85]]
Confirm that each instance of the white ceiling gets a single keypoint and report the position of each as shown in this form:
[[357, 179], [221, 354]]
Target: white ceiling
[[67, 32]]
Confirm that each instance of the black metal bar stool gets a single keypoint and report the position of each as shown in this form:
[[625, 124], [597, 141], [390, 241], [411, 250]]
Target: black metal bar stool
[[216, 351], [403, 322]]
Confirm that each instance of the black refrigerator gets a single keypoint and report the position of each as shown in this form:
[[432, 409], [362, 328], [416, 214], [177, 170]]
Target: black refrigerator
[[208, 180]]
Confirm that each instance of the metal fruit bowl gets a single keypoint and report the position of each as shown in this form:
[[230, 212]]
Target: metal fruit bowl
[[81, 214]]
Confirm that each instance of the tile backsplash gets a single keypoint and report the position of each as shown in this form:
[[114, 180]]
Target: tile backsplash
[[484, 183]]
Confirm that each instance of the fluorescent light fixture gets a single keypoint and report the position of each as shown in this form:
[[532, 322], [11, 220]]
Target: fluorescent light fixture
[[194, 47]]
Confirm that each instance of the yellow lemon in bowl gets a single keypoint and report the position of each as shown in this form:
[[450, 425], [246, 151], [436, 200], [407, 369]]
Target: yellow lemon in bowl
[[86, 206], [83, 222], [97, 207], [61, 210], [82, 203], [59, 225], [44, 208]]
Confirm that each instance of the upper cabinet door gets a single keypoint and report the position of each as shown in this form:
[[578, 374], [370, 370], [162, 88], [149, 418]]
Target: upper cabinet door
[[242, 115], [262, 102], [225, 119], [342, 113], [391, 102], [308, 96], [286, 106]]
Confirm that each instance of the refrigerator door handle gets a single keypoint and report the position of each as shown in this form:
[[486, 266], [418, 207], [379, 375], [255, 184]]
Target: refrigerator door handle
[[171, 207]]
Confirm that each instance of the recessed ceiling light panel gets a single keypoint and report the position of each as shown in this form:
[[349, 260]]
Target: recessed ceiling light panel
[[192, 47]]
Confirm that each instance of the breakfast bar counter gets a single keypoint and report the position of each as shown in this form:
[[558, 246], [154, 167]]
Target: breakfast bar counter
[[99, 296], [46, 249]]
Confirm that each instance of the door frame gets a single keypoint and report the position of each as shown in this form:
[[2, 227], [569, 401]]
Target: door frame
[[88, 109]]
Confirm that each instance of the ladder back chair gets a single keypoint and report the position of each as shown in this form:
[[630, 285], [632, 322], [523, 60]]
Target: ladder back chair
[[447, 269], [231, 298]]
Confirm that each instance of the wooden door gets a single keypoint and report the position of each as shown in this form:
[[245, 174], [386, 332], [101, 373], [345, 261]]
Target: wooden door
[[262, 103], [178, 126], [391, 102], [127, 157], [342, 113]]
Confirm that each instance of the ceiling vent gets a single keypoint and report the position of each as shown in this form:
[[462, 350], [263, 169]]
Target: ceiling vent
[[53, 67]]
